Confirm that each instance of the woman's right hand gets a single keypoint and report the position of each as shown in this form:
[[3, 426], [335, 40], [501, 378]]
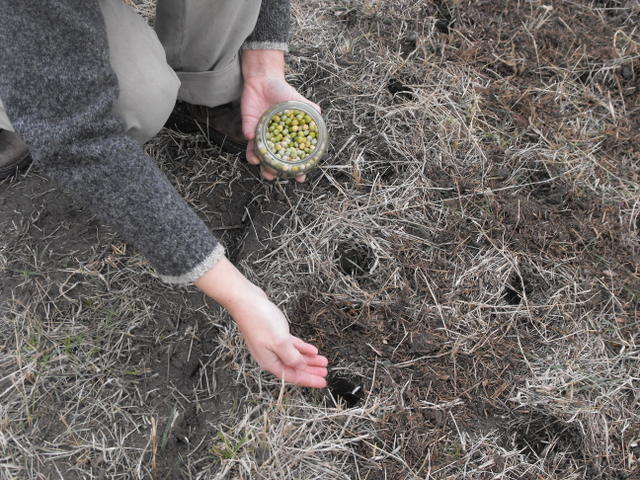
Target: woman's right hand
[[266, 333], [264, 327]]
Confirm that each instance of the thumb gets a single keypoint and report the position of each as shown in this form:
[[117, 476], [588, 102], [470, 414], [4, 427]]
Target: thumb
[[249, 123], [317, 107], [290, 356], [301, 98]]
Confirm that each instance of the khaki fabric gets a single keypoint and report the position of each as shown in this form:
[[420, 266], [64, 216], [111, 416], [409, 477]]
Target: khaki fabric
[[5, 124], [148, 86], [201, 38]]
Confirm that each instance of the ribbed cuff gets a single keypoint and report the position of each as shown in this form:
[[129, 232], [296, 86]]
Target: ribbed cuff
[[197, 271], [266, 46]]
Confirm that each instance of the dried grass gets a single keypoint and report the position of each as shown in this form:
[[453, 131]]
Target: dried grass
[[489, 205]]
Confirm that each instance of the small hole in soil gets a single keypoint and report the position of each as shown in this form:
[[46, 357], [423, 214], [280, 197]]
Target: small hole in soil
[[540, 175], [195, 370], [499, 69], [444, 24], [513, 292], [511, 296], [585, 78], [399, 89], [609, 3], [542, 432], [446, 20], [409, 43], [602, 78], [345, 390], [353, 259], [538, 172]]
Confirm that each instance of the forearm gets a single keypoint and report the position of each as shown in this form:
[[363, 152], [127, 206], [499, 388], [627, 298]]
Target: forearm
[[272, 28], [59, 90]]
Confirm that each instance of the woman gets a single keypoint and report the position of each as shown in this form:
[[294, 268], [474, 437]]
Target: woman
[[85, 82]]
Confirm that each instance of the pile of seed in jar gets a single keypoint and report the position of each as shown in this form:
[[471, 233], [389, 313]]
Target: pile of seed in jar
[[292, 135]]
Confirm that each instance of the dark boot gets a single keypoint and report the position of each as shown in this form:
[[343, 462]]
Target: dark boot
[[14, 154], [222, 125]]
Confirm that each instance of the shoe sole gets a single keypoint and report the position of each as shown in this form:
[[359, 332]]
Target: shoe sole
[[12, 168], [225, 143], [186, 123]]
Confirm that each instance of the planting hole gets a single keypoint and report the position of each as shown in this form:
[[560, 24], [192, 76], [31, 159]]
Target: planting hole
[[345, 390], [541, 435], [355, 260], [513, 292], [400, 90]]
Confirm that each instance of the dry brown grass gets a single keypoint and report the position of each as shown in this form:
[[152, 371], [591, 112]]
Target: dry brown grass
[[467, 254]]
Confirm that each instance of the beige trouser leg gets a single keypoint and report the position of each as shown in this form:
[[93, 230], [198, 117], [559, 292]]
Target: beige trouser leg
[[5, 124], [202, 39], [148, 86]]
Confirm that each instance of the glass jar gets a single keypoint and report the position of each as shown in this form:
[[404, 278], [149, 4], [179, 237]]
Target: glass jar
[[290, 167]]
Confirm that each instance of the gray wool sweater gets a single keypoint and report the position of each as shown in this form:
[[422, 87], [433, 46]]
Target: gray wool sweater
[[58, 89]]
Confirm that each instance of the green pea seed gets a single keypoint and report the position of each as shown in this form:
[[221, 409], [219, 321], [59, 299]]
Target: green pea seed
[[292, 135]]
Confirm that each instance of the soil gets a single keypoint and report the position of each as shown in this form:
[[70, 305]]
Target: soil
[[551, 219], [38, 218]]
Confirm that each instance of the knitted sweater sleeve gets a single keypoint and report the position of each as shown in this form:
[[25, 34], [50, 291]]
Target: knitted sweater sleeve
[[272, 28], [58, 88]]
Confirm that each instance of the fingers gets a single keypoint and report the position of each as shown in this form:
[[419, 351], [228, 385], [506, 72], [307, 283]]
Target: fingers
[[290, 356], [316, 360], [249, 123], [267, 173], [310, 353], [304, 347], [317, 371], [252, 158], [307, 380], [298, 363], [270, 175], [303, 378]]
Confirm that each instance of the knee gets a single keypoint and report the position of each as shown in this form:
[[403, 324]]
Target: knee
[[146, 100], [148, 85], [5, 124]]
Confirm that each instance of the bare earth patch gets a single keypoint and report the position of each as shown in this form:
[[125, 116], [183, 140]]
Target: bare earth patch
[[467, 258]]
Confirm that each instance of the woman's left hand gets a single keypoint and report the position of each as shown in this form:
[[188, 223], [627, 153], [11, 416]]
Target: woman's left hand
[[264, 86]]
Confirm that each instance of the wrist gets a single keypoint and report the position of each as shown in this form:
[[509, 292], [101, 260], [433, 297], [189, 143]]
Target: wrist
[[225, 284], [258, 64]]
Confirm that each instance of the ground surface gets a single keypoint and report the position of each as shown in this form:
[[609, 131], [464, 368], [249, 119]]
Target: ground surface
[[467, 256]]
